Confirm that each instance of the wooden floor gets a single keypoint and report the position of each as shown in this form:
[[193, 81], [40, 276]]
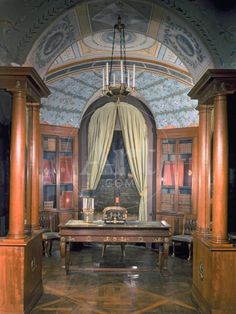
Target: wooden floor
[[110, 285]]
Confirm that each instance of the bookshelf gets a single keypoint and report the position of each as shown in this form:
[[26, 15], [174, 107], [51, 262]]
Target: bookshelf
[[176, 175], [59, 175]]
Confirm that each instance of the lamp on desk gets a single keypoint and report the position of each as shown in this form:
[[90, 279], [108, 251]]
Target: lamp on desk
[[88, 204]]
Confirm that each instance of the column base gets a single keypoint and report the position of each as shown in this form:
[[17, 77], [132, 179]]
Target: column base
[[214, 282], [21, 275]]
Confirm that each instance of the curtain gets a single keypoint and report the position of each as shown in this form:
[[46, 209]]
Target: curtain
[[134, 131], [100, 134]]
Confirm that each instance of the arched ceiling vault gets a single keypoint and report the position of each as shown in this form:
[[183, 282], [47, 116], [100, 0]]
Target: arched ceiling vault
[[172, 42]]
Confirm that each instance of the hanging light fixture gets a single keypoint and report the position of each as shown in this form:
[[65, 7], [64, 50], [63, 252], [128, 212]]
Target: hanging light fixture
[[111, 86]]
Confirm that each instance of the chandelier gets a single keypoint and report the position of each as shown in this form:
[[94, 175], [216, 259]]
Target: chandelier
[[124, 84]]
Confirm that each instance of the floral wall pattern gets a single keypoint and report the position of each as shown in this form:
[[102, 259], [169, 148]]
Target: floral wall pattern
[[166, 98]]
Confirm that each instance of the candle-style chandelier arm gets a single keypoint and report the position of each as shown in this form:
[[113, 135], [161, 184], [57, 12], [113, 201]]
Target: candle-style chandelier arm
[[110, 87]]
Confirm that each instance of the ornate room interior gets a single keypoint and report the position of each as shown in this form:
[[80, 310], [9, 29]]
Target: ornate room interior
[[161, 144]]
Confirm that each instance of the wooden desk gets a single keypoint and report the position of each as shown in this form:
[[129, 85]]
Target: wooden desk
[[129, 232]]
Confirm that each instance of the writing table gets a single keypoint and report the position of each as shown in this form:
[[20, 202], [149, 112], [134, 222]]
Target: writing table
[[129, 232]]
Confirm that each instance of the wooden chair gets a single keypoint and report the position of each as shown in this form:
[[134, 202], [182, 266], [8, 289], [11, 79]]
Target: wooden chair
[[48, 220], [189, 226], [114, 215], [232, 237]]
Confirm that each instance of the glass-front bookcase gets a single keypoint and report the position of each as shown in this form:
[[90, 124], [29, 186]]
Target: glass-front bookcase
[[177, 170], [59, 166]]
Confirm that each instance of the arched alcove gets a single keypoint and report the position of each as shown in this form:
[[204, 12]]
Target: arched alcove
[[151, 161]]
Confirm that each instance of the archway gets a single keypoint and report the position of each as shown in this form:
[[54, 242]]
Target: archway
[[151, 156]]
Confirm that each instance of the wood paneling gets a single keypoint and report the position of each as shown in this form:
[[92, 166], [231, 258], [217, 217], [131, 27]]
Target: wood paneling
[[214, 271], [20, 276]]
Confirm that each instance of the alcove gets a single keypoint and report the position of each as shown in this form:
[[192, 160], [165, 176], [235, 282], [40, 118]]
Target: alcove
[[128, 192]]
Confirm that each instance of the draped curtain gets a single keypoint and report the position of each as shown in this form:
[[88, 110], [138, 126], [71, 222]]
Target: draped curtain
[[134, 131], [100, 134]]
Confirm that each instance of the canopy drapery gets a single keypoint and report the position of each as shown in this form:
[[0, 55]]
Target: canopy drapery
[[134, 131]]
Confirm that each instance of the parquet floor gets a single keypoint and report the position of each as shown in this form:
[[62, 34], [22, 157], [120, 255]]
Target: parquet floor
[[110, 285]]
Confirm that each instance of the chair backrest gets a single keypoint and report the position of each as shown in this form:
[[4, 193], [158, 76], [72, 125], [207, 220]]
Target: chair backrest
[[48, 220], [189, 224]]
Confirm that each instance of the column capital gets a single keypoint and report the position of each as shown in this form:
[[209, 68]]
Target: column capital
[[36, 105], [214, 82], [205, 108]]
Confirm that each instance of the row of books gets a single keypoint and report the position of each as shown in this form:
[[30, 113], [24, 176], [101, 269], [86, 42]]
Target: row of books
[[168, 206], [49, 144], [185, 148], [185, 198], [48, 204], [65, 169], [167, 197], [65, 145], [170, 148]]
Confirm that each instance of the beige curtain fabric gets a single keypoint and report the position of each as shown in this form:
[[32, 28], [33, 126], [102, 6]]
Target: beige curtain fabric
[[100, 134], [134, 132]]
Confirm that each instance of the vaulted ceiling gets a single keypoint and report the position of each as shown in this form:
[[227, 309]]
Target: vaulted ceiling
[[172, 43]]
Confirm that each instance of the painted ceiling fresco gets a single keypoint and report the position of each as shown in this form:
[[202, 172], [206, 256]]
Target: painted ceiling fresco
[[172, 42], [146, 25]]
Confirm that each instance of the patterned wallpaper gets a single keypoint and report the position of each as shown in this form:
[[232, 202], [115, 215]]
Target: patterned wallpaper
[[166, 98]]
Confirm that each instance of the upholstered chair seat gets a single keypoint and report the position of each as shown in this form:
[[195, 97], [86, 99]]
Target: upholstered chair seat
[[49, 224], [189, 226]]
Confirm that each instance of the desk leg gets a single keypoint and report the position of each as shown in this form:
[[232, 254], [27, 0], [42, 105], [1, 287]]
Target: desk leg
[[67, 258], [63, 251], [65, 254], [160, 255], [165, 253]]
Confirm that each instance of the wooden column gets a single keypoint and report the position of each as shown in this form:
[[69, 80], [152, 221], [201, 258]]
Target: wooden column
[[204, 166], [214, 258], [17, 166], [35, 165], [28, 192], [220, 171]]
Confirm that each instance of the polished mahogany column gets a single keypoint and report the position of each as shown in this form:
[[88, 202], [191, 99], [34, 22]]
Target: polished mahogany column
[[17, 166], [204, 166], [35, 165], [28, 192], [220, 171]]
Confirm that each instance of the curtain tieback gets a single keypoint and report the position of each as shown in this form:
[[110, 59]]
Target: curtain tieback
[[142, 193]]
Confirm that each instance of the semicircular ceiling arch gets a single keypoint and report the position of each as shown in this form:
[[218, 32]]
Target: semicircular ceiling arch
[[89, 27]]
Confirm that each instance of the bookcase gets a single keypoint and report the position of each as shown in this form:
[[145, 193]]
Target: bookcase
[[176, 175], [59, 171]]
